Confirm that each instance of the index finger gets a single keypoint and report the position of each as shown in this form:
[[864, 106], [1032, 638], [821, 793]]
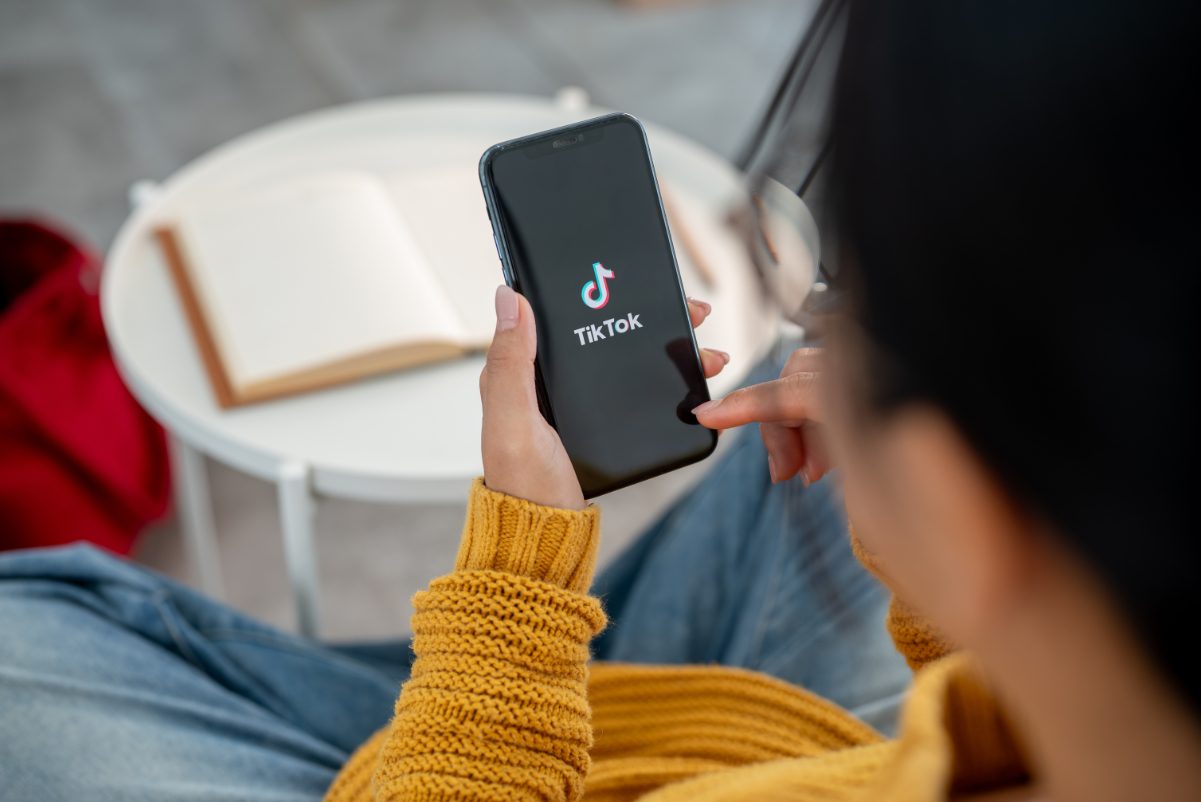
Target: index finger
[[788, 399]]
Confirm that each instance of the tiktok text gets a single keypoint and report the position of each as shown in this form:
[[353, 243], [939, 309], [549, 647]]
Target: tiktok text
[[616, 325]]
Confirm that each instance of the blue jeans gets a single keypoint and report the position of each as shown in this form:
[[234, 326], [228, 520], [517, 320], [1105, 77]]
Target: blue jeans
[[745, 573], [120, 684]]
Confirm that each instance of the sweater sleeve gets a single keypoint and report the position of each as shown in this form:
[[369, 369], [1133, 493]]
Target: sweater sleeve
[[919, 640], [497, 707]]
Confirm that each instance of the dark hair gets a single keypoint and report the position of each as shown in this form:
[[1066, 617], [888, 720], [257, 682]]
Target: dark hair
[[1016, 182]]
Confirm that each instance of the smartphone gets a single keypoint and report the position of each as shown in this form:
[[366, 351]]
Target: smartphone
[[582, 234]]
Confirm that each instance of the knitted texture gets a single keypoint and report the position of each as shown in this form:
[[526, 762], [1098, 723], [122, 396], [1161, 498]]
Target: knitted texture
[[987, 753], [353, 783], [508, 534], [845, 774], [658, 724], [501, 705], [718, 713], [952, 738], [915, 637], [496, 707]]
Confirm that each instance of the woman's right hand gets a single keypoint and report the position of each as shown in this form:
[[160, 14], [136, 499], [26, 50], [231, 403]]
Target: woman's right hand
[[789, 417]]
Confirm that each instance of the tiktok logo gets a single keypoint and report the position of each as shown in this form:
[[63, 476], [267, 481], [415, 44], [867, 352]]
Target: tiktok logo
[[600, 286], [617, 325]]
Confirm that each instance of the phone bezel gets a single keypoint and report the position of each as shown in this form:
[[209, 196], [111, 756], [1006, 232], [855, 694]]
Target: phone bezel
[[500, 236]]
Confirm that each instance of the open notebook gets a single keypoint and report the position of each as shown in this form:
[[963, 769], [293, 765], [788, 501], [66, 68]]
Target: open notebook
[[335, 277]]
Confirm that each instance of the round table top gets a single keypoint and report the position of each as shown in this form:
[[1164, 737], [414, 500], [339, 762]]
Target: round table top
[[407, 436]]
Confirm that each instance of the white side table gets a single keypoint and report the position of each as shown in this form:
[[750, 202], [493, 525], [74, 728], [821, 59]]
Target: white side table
[[350, 441]]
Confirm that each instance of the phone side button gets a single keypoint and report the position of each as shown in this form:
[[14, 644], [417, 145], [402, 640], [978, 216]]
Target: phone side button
[[504, 272]]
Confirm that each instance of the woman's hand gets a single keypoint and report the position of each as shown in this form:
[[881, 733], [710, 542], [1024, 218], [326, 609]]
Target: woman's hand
[[790, 420], [523, 456]]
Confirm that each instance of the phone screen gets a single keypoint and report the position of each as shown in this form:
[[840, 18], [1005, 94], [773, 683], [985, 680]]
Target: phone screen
[[586, 241]]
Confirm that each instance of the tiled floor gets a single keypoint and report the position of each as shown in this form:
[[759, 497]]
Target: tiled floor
[[95, 94]]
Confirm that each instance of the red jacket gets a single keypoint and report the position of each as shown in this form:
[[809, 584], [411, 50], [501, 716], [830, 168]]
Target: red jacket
[[79, 459]]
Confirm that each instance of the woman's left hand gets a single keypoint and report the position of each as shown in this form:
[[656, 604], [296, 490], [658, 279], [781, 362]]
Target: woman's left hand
[[523, 456]]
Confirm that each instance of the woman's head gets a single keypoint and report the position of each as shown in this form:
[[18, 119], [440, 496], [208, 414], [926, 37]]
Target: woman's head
[[1012, 192]]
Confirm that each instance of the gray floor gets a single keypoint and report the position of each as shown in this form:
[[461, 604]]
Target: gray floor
[[95, 94]]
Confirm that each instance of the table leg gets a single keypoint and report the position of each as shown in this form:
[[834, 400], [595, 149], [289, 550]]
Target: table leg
[[195, 510], [296, 517]]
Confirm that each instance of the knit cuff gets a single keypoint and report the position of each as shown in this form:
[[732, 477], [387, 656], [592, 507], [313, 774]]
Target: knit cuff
[[915, 637], [866, 558], [508, 534]]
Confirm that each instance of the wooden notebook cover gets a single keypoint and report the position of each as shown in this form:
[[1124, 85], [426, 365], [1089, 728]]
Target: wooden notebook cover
[[371, 363], [209, 355]]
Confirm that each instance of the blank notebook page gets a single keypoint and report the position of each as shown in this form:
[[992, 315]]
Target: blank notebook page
[[311, 273], [445, 208]]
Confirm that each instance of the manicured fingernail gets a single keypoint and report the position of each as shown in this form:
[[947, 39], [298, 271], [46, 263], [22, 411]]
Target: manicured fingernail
[[705, 407], [804, 474], [724, 356], [506, 308], [771, 468], [701, 304]]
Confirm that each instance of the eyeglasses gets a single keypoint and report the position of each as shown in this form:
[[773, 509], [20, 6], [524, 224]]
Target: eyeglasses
[[784, 160]]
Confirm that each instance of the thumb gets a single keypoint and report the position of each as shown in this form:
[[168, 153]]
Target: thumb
[[523, 456], [507, 378]]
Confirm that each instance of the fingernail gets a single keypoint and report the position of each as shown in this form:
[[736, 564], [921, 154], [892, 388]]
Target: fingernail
[[506, 308], [705, 407], [701, 304], [804, 476], [771, 468], [725, 357]]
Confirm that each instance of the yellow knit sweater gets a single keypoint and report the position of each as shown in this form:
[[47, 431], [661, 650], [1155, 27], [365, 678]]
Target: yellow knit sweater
[[504, 705]]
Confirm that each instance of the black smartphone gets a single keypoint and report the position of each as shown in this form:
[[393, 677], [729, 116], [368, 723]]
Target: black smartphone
[[581, 233]]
